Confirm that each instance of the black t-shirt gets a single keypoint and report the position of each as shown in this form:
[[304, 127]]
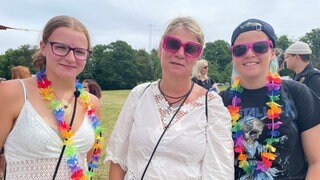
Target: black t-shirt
[[207, 84], [298, 114]]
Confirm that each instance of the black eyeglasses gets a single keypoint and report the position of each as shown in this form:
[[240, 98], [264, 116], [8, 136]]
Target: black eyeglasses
[[63, 50], [259, 47], [173, 44]]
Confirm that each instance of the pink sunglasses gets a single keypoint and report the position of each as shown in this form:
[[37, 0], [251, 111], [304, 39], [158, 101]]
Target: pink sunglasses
[[259, 47], [173, 44]]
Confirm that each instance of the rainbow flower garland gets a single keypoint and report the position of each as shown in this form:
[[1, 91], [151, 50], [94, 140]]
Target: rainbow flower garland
[[273, 115], [66, 134]]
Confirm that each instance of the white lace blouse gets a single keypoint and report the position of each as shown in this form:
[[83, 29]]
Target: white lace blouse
[[192, 147], [32, 148]]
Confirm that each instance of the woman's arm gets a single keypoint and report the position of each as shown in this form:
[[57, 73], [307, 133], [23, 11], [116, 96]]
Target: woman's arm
[[115, 172], [218, 162], [310, 141]]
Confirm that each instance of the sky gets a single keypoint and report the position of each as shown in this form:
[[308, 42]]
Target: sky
[[141, 22]]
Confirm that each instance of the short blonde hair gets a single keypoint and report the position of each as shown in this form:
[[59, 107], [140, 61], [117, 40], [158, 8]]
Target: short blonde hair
[[186, 23]]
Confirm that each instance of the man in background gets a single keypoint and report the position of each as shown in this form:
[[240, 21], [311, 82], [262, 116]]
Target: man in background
[[297, 58]]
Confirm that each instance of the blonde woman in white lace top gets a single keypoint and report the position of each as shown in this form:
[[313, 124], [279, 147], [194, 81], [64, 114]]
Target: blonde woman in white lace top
[[29, 130], [193, 146]]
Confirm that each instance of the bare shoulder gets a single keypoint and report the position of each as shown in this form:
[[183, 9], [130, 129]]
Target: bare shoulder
[[11, 101], [10, 91]]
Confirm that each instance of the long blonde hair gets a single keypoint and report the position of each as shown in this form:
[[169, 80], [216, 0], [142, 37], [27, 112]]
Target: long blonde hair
[[196, 71]]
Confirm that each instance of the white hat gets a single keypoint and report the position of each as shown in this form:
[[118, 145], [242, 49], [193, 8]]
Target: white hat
[[298, 48]]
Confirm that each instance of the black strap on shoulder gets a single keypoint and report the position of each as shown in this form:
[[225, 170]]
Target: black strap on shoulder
[[145, 88], [207, 105]]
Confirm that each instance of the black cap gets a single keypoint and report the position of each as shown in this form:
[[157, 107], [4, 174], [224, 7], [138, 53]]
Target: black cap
[[254, 25]]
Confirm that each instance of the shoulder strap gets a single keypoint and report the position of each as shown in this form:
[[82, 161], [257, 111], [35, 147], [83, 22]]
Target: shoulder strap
[[24, 90]]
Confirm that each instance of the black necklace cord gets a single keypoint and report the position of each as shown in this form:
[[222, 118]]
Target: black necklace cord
[[167, 96], [165, 129], [76, 95]]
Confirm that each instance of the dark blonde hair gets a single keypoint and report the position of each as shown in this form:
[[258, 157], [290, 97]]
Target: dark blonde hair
[[39, 61], [20, 72], [186, 23]]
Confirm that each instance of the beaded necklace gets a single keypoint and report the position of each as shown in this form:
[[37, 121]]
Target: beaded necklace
[[273, 115], [46, 90]]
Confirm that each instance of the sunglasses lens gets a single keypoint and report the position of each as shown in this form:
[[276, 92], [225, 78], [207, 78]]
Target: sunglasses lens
[[172, 44], [192, 50], [239, 50], [260, 47]]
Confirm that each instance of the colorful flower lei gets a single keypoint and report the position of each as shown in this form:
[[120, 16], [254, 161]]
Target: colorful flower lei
[[66, 134], [273, 115]]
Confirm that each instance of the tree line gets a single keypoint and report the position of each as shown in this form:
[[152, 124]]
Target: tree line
[[119, 66]]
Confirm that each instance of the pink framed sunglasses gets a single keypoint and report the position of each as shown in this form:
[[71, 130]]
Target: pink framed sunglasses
[[173, 44], [259, 47]]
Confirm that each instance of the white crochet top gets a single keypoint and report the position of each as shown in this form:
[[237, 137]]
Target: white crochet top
[[193, 147], [32, 148]]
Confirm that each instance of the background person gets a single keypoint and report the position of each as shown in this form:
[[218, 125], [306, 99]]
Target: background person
[[36, 113], [297, 58], [92, 87], [275, 122], [200, 76], [193, 146], [20, 72]]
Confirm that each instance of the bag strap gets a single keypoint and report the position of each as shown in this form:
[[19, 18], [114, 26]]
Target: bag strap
[[76, 94], [207, 105], [164, 131]]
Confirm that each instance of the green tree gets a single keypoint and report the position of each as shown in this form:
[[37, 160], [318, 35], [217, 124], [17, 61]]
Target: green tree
[[15, 57], [313, 39], [218, 55]]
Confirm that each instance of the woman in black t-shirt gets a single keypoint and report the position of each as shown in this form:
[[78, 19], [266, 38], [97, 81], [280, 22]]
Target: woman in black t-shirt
[[275, 122], [200, 76]]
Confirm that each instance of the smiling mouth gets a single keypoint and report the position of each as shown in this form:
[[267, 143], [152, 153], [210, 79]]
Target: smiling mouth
[[250, 63]]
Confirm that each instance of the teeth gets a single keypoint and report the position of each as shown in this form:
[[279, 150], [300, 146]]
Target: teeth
[[250, 63]]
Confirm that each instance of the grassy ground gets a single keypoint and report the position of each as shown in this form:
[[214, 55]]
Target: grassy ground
[[112, 102]]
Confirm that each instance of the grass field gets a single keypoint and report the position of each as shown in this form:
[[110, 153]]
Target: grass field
[[112, 102]]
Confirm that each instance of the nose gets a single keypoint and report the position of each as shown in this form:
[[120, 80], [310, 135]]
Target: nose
[[180, 52], [70, 56], [250, 52]]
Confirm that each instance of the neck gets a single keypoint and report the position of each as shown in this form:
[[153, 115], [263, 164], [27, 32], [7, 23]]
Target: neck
[[253, 83], [63, 88], [203, 77], [176, 87], [300, 67]]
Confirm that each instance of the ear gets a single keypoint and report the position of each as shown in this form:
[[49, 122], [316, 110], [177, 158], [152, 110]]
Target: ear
[[42, 45]]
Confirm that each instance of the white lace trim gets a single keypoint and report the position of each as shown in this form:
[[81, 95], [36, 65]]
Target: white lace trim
[[166, 111], [39, 169]]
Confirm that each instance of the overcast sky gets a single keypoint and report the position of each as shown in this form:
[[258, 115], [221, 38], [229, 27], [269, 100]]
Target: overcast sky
[[141, 22]]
